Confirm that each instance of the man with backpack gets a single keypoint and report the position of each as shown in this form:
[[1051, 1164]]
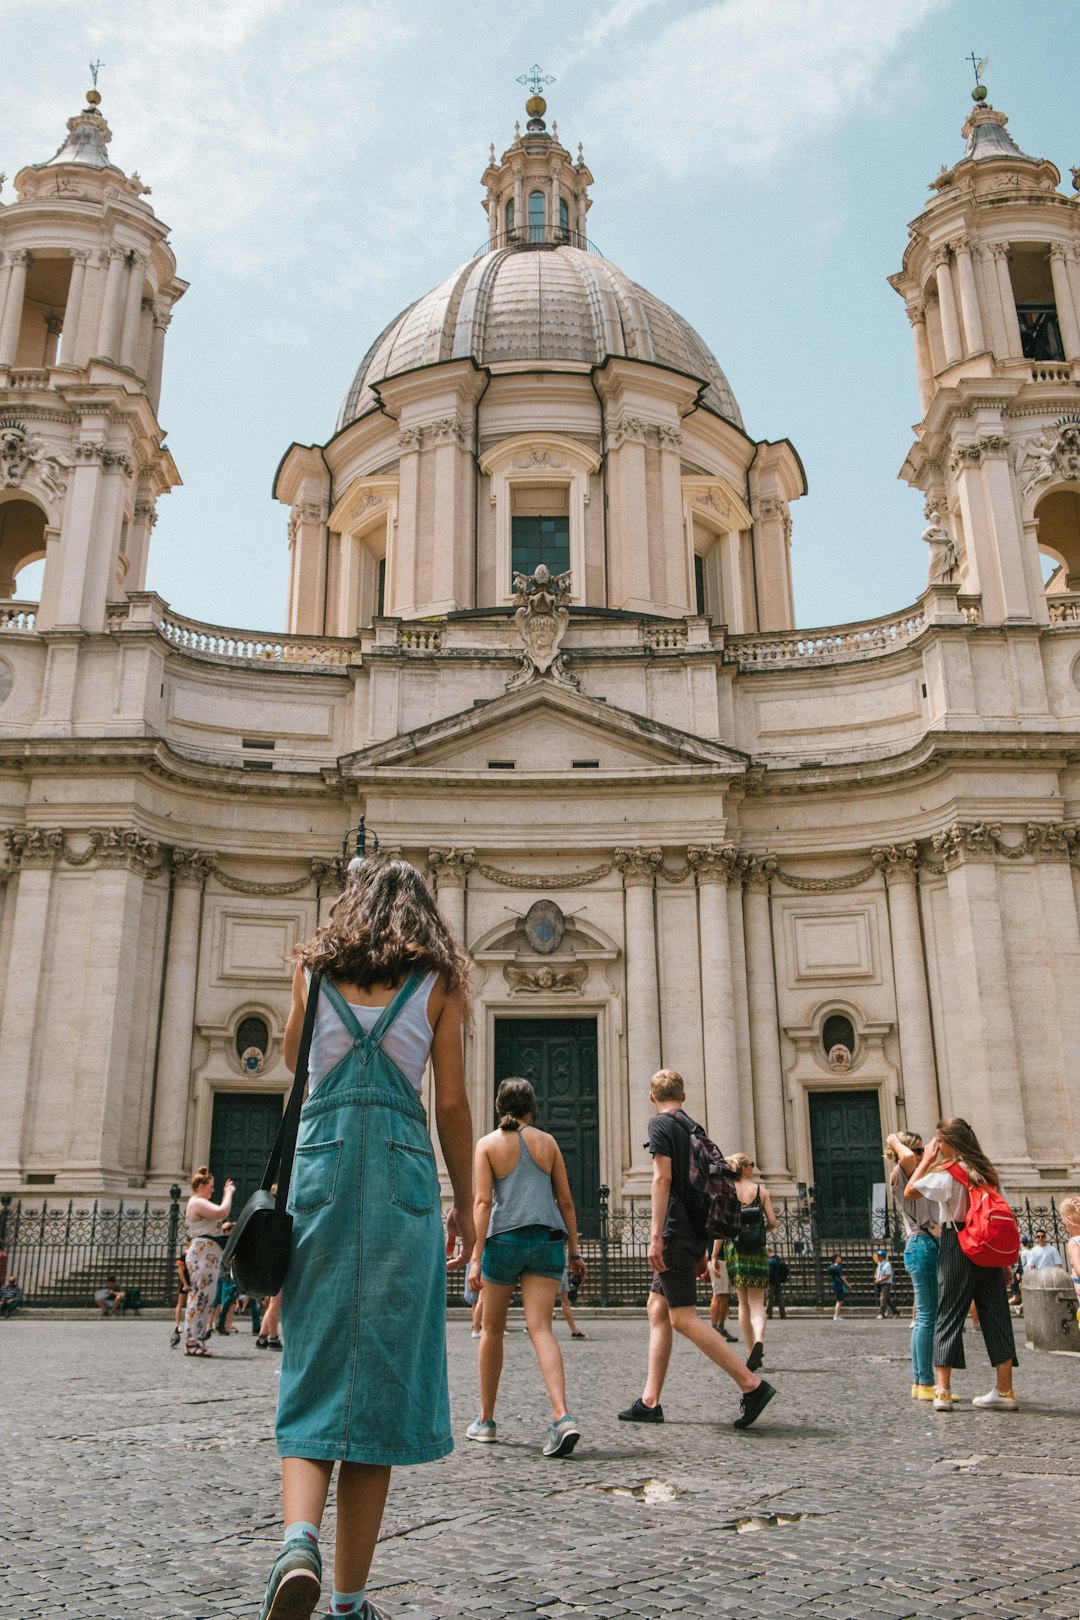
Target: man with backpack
[[681, 1218]]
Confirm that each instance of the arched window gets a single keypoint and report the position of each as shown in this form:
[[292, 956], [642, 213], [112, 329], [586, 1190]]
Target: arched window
[[510, 219], [564, 221], [838, 1031], [536, 216], [252, 1035]]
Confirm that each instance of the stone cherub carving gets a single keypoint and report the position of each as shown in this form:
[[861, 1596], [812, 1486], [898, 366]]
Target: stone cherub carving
[[541, 617], [1055, 452], [944, 557], [551, 979], [22, 452]]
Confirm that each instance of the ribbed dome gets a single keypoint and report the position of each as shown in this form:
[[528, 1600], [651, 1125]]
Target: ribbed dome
[[538, 303]]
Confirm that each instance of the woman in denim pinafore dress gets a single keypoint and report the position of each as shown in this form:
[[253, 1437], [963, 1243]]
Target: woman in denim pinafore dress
[[363, 1377]]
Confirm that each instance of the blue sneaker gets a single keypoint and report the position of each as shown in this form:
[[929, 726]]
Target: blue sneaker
[[482, 1429], [562, 1437], [295, 1583]]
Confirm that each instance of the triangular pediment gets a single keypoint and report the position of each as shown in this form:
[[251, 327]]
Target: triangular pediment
[[545, 729]]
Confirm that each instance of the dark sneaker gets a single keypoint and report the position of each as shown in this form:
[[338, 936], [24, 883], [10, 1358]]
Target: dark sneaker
[[175, 1340], [753, 1404], [724, 1334], [756, 1357], [274, 1343], [295, 1583], [640, 1413]]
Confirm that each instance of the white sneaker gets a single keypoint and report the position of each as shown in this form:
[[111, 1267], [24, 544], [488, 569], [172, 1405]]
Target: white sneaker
[[482, 1429], [476, 1333], [997, 1402], [944, 1401]]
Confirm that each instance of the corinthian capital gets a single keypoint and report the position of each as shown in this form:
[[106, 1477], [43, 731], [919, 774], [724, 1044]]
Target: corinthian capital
[[450, 867], [38, 846], [897, 861], [191, 867], [963, 840], [638, 866], [713, 863]]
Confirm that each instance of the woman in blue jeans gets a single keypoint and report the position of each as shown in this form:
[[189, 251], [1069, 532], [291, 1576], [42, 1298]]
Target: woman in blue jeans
[[921, 1228], [524, 1219]]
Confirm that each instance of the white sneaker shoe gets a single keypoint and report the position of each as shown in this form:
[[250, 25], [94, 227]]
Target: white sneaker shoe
[[482, 1429], [997, 1402], [944, 1401]]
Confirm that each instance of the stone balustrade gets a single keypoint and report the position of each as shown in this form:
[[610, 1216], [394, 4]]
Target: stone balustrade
[[18, 615], [1051, 371], [834, 644], [226, 646], [1064, 609]]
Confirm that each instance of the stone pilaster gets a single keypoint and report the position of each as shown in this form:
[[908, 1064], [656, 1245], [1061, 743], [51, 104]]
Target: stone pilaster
[[769, 1112], [639, 867], [34, 855], [450, 870], [899, 864], [190, 869], [713, 867]]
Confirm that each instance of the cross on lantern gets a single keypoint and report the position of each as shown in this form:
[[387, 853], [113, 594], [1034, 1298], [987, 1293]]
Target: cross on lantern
[[534, 80]]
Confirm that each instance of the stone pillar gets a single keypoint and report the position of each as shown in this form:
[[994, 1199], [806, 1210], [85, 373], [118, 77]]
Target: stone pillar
[[5, 282], [631, 585], [11, 324], [769, 1115], [129, 336], [1014, 349], [639, 867], [1063, 298], [713, 867], [918, 1062], [969, 297], [172, 1096], [73, 307], [924, 368], [1072, 272], [143, 520], [157, 355], [950, 323], [986, 1089], [450, 869], [35, 854], [112, 308]]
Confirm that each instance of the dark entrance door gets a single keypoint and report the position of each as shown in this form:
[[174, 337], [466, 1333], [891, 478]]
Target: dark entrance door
[[559, 1056], [241, 1136], [846, 1143]]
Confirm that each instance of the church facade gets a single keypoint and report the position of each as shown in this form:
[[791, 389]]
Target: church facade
[[541, 638]]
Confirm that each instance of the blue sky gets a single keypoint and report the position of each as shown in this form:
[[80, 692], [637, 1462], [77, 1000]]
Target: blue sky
[[756, 164]]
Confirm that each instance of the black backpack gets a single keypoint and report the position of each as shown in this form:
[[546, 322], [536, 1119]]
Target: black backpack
[[712, 1203]]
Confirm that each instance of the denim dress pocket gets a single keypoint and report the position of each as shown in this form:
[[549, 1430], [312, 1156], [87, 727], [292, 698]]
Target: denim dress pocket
[[314, 1177], [414, 1180]]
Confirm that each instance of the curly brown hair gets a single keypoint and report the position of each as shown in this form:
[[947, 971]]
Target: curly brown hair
[[384, 926]]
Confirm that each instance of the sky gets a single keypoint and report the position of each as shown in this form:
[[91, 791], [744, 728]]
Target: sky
[[318, 162]]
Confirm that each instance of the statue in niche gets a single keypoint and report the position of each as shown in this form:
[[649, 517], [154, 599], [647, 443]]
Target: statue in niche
[[542, 616], [944, 557]]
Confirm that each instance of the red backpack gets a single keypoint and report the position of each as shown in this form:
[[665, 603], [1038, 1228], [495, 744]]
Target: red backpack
[[991, 1236]]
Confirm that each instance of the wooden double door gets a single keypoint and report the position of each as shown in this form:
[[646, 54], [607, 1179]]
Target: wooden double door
[[241, 1136], [560, 1057], [847, 1148]]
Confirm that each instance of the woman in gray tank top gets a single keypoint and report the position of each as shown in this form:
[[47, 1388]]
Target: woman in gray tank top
[[524, 1219]]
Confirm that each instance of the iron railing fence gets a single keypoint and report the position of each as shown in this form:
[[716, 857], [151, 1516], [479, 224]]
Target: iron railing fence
[[61, 1253]]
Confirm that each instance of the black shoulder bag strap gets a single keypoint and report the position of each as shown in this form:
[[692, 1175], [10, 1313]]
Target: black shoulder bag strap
[[279, 1164]]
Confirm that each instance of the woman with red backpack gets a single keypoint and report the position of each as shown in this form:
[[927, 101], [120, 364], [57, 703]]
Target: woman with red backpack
[[979, 1243]]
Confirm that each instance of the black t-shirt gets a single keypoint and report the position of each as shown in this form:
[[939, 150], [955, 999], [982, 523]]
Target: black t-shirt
[[668, 1136]]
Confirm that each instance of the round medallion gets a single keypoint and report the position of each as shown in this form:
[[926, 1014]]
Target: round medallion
[[839, 1057], [251, 1060], [544, 927]]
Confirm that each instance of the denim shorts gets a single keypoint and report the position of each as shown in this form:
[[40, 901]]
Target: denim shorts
[[533, 1249]]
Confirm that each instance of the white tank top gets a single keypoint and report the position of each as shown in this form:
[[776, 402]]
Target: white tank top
[[407, 1042]]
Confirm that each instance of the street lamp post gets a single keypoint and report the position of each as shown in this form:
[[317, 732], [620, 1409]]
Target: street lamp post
[[359, 834]]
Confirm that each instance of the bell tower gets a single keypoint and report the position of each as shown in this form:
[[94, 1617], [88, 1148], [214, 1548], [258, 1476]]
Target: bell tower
[[87, 286], [991, 281]]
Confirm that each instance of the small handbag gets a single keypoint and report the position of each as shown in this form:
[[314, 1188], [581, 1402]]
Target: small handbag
[[260, 1243]]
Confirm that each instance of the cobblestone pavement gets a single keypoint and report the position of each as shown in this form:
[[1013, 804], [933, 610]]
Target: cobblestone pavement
[[138, 1483]]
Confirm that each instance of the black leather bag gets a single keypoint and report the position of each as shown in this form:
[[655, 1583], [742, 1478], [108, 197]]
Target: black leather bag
[[261, 1241]]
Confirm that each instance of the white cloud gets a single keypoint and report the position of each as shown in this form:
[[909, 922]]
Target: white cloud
[[741, 83]]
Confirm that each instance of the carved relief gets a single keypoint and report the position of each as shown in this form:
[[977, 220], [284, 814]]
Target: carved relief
[[628, 429], [22, 454], [1054, 453], [638, 866], [540, 457], [37, 847], [549, 978], [542, 618]]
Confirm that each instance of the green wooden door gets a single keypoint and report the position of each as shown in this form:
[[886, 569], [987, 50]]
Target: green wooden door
[[847, 1149], [241, 1136], [559, 1057]]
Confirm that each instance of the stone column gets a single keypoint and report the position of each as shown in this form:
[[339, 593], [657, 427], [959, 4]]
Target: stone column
[[172, 1096], [73, 307], [713, 866], [950, 324], [1063, 298], [924, 368], [35, 854], [918, 1062], [769, 1116], [986, 1089], [11, 324], [1014, 349], [450, 869], [157, 355], [639, 867], [1072, 273], [5, 282], [129, 337], [112, 307], [969, 297]]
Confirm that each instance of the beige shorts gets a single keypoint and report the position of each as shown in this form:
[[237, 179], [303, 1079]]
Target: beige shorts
[[719, 1276]]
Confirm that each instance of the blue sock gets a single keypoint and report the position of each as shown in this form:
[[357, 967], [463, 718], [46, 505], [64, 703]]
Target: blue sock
[[347, 1602], [300, 1530]]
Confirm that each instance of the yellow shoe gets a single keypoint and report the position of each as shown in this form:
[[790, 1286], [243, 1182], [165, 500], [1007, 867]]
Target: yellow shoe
[[923, 1392]]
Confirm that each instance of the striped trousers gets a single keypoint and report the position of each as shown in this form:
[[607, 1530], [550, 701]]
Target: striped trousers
[[959, 1282]]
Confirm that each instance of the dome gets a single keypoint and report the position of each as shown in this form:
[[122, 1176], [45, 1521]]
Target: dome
[[538, 302]]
